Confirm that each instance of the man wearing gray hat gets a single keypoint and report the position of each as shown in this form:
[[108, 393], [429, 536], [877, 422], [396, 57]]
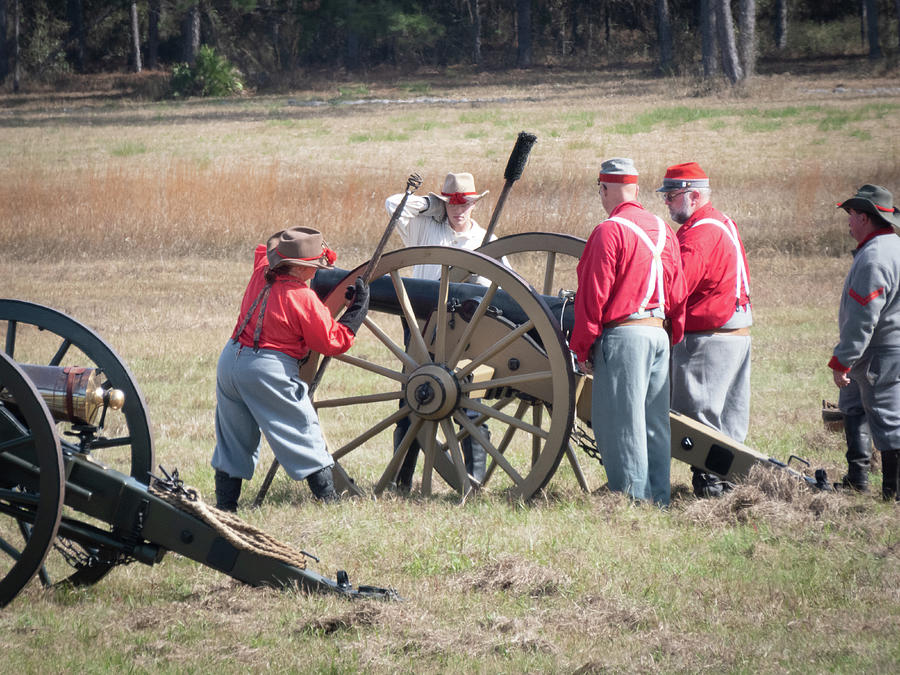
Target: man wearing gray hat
[[630, 291], [711, 366], [868, 352]]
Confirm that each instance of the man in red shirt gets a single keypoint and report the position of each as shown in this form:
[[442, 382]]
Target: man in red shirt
[[711, 367], [258, 386], [629, 287]]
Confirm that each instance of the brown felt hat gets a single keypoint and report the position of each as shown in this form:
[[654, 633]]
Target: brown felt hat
[[298, 245], [876, 201]]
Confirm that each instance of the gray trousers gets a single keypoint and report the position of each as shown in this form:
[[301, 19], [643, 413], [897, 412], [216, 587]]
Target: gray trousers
[[711, 381], [630, 410], [878, 377], [262, 393]]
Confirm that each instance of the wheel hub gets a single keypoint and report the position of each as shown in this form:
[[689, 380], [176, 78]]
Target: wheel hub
[[432, 392]]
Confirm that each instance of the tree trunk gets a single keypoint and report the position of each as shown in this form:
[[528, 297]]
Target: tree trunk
[[747, 26], [863, 20], [135, 38], [523, 19], [781, 24], [17, 53], [190, 34], [731, 64], [475, 18], [273, 29], [664, 35], [4, 43], [897, 8], [75, 46], [708, 38], [153, 16], [872, 29]]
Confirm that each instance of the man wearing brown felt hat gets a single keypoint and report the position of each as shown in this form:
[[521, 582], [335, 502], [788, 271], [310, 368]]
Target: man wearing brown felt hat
[[868, 352]]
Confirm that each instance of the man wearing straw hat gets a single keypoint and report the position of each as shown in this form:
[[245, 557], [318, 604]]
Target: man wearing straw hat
[[711, 366], [258, 385], [630, 290], [443, 219], [868, 352]]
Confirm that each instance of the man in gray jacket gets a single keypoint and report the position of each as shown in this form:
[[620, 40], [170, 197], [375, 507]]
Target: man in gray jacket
[[868, 352]]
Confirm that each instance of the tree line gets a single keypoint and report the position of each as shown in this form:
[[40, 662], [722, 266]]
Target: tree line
[[266, 38]]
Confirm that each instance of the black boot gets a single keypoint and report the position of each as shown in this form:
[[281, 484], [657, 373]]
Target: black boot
[[708, 484], [859, 452], [890, 475], [475, 456], [228, 490], [321, 483], [408, 468]]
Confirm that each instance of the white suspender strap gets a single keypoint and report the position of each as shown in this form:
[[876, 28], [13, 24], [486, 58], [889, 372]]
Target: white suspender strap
[[657, 272], [741, 272]]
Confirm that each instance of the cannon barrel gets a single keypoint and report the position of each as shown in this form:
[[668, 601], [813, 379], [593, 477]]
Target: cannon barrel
[[423, 294]]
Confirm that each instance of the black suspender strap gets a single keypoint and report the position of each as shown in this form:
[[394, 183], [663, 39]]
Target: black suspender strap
[[264, 296]]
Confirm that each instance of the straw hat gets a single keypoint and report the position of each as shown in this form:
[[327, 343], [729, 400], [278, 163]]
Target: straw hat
[[459, 188]]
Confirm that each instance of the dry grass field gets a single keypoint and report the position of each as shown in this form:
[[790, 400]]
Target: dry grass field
[[139, 218]]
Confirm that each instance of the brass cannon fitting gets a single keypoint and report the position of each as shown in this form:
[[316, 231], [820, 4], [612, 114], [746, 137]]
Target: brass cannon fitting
[[72, 393]]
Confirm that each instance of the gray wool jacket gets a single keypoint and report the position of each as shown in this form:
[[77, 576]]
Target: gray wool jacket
[[869, 314]]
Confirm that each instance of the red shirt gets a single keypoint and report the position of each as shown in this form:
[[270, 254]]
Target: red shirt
[[613, 273], [709, 261], [295, 321]]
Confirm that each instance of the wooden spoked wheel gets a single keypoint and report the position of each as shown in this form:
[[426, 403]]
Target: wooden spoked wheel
[[492, 349], [33, 334], [548, 260], [31, 480]]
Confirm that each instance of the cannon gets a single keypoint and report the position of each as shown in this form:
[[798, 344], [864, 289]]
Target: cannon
[[77, 492], [488, 342]]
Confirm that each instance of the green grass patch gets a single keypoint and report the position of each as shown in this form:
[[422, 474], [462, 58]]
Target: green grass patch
[[128, 149]]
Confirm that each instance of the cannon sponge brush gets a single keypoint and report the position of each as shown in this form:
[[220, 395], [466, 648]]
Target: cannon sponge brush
[[519, 156]]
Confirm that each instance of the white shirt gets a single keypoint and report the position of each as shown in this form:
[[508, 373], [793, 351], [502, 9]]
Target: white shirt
[[423, 222]]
